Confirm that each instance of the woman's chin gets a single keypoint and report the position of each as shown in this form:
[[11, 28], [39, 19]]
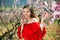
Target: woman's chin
[[25, 17]]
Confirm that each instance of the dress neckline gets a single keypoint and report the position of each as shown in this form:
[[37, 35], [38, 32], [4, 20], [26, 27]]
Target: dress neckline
[[34, 21], [31, 23]]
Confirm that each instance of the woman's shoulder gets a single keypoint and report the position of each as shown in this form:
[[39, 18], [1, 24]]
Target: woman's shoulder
[[34, 21]]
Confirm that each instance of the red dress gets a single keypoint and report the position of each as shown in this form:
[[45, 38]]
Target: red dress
[[31, 31]]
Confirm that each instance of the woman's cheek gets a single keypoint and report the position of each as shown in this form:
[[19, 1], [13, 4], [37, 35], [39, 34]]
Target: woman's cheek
[[28, 14]]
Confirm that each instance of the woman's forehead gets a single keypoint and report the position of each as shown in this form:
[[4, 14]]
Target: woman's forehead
[[26, 9]]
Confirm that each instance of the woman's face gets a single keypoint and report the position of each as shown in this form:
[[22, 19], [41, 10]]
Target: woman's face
[[26, 13]]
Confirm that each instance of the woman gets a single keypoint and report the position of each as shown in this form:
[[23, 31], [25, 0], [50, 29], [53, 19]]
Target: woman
[[32, 29]]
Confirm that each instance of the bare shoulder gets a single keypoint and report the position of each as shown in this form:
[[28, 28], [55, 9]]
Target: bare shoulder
[[35, 20]]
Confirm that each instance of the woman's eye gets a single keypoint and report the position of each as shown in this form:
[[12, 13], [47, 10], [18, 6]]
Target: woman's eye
[[23, 11]]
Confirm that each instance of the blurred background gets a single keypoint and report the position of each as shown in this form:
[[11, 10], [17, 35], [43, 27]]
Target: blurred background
[[10, 16]]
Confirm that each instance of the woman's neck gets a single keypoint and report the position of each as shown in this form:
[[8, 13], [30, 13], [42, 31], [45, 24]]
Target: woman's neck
[[29, 20]]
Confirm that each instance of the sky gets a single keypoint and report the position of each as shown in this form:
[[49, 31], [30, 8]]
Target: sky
[[9, 3]]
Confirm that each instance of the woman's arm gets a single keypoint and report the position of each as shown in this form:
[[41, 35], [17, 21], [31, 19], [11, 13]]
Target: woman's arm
[[19, 29], [45, 16], [43, 25]]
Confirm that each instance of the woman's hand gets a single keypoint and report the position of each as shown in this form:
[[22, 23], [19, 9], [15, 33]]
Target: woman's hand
[[45, 16]]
